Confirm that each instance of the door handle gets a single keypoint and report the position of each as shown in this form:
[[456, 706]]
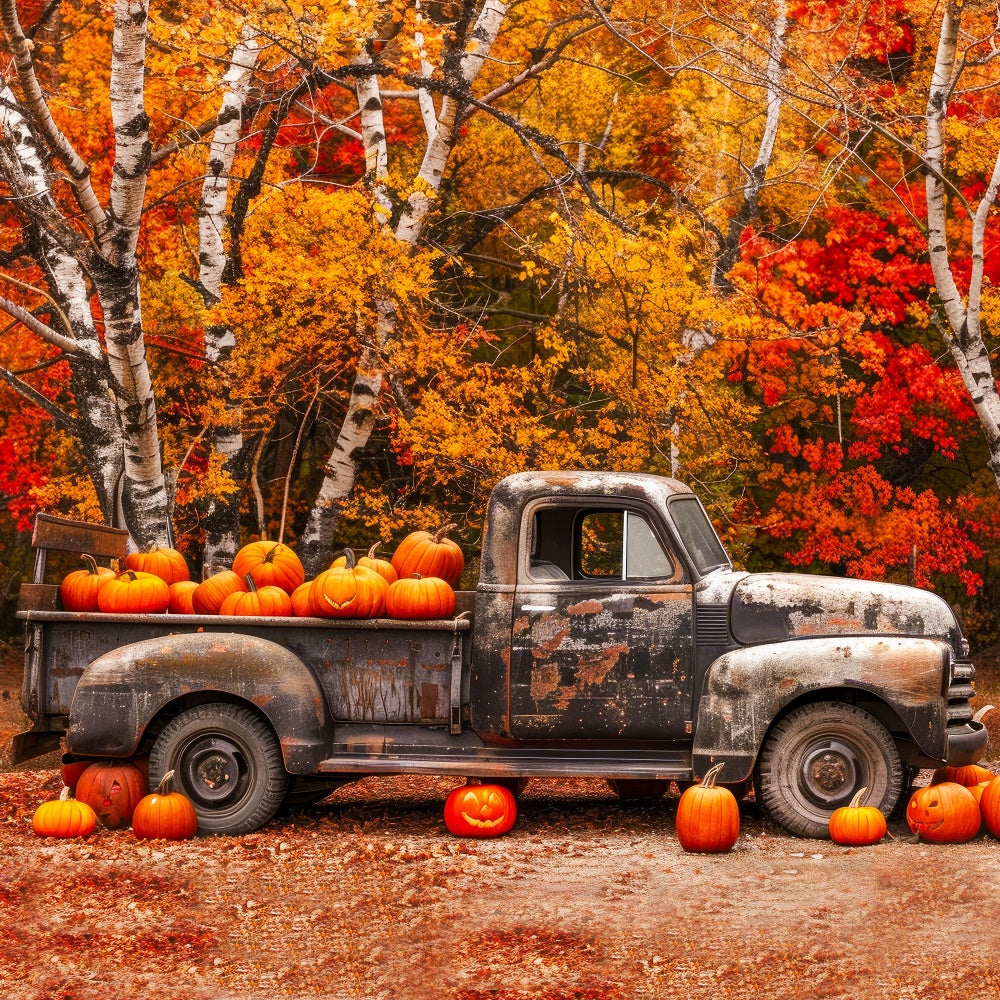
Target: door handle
[[538, 607]]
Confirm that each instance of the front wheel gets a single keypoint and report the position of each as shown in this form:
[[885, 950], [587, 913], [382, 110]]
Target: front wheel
[[227, 761], [817, 757]]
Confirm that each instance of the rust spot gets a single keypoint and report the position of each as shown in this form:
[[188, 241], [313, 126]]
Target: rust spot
[[594, 669], [589, 607], [544, 680], [546, 648], [428, 700]]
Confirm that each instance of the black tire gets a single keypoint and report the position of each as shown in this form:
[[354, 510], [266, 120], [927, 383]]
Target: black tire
[[817, 757], [227, 761]]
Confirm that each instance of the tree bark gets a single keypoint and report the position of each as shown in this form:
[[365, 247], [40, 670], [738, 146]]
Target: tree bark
[[962, 315]]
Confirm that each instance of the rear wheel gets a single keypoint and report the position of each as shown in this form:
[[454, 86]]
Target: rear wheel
[[817, 757], [227, 761]]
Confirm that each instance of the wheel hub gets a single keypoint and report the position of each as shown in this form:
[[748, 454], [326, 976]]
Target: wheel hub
[[215, 770], [830, 773]]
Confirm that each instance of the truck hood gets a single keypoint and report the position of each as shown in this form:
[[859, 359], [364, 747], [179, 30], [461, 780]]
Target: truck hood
[[768, 607]]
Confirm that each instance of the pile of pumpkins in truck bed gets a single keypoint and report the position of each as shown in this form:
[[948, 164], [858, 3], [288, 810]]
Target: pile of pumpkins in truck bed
[[268, 579]]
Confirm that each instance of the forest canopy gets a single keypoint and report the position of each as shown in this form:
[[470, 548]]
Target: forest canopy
[[325, 271]]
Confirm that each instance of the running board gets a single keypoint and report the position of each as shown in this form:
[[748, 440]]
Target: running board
[[511, 763]]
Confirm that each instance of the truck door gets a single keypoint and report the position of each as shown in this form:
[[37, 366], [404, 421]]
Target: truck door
[[602, 635]]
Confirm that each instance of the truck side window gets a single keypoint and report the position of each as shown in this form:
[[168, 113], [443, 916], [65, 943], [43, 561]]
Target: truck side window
[[621, 545]]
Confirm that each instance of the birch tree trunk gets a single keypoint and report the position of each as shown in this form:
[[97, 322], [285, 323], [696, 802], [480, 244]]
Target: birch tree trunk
[[962, 314], [340, 470], [221, 520]]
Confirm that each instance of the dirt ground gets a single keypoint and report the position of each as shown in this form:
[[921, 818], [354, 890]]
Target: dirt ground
[[588, 898]]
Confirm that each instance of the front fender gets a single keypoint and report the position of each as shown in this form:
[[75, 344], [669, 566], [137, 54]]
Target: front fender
[[121, 692], [746, 689]]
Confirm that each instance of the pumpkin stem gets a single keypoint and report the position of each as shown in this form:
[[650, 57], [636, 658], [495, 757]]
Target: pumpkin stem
[[166, 783], [709, 780], [349, 556], [371, 551], [858, 796], [250, 583], [65, 795], [443, 530], [983, 712], [272, 552], [91, 563]]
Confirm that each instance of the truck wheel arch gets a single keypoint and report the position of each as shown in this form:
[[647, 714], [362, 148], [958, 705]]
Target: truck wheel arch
[[750, 690], [125, 696]]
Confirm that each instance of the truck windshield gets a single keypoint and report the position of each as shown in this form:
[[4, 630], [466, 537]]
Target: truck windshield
[[697, 534]]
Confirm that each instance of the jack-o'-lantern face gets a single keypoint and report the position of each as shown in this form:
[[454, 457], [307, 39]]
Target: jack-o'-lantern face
[[480, 811], [943, 814]]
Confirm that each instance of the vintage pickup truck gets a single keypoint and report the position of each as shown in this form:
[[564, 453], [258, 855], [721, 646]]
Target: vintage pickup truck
[[609, 636]]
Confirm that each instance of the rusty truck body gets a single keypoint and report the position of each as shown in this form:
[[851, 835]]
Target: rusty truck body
[[608, 636]]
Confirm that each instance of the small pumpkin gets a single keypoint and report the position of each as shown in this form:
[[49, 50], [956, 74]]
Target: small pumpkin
[[64, 817], [946, 813], [480, 811], [165, 814], [257, 602], [370, 561], [207, 597], [708, 816], [160, 560], [348, 591], [112, 790], [301, 602], [989, 806], [966, 774], [270, 564], [423, 597], [79, 589], [134, 592], [181, 594], [430, 555], [856, 825]]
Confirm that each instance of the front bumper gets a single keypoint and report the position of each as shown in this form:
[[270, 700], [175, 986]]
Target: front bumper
[[966, 744]]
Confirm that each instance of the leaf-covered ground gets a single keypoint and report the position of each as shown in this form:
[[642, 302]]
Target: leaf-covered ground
[[367, 895]]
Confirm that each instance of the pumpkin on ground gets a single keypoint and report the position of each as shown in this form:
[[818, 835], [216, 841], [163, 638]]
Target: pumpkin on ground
[[856, 825], [181, 594], [420, 597], [79, 589], [480, 811], [966, 774], [112, 790], [430, 555], [165, 814], [946, 813], [64, 817], [257, 602], [989, 805], [348, 591], [207, 597], [134, 592], [708, 816], [160, 560], [270, 564]]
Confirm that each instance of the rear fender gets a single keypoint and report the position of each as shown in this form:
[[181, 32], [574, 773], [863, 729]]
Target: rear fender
[[747, 689], [122, 692]]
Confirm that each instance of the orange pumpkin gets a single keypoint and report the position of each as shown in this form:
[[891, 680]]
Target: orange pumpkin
[[420, 597], [857, 825], [301, 602], [134, 592], [708, 816], [480, 811], [989, 805], [181, 594], [370, 561], [348, 591], [165, 814], [64, 817], [966, 774], [430, 555], [946, 813], [259, 602], [160, 560], [112, 790], [207, 597], [270, 564], [79, 589]]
